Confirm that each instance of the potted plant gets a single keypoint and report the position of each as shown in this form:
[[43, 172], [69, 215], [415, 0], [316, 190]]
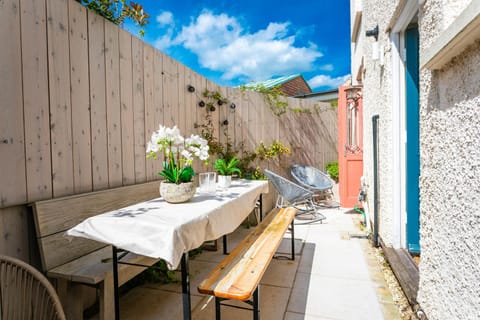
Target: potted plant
[[178, 154], [225, 170]]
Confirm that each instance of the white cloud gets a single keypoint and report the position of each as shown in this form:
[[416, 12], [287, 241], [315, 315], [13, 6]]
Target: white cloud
[[327, 67], [166, 22], [221, 44], [165, 18], [327, 81]]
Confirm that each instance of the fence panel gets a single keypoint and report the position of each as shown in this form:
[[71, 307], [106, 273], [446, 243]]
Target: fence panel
[[112, 89], [59, 95], [35, 101], [126, 111], [80, 93], [80, 98]]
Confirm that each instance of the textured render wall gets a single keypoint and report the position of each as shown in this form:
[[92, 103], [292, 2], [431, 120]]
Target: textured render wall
[[356, 48], [377, 95], [450, 175]]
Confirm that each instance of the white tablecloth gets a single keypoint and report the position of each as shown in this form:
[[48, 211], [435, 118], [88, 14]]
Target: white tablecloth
[[159, 229]]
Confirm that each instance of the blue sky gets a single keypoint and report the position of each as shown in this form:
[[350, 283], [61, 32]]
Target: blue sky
[[237, 42]]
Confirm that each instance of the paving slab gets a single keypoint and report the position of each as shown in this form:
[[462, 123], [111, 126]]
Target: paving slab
[[335, 276]]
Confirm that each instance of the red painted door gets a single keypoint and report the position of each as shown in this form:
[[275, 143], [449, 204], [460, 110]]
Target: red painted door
[[350, 144]]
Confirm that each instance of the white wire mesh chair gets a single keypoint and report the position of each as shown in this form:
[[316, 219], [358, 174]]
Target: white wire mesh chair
[[292, 194], [26, 294], [317, 182]]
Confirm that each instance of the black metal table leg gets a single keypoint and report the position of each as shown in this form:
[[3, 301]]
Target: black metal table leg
[[186, 288], [115, 282], [293, 240]]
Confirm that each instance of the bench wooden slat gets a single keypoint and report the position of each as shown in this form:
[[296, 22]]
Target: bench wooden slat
[[53, 217], [96, 266], [60, 214], [59, 249], [238, 275]]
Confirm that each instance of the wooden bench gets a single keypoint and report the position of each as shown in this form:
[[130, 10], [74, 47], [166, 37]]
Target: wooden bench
[[238, 275], [74, 262]]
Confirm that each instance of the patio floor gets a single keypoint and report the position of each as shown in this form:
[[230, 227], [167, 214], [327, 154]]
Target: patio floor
[[335, 276]]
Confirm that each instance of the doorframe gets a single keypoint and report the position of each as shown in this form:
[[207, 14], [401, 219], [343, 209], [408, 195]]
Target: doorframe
[[397, 40]]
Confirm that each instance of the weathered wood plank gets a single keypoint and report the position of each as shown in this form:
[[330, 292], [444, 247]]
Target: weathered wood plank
[[405, 271], [157, 99], [96, 266], [60, 103], [126, 101], [233, 97], [170, 92], [13, 232], [237, 276], [150, 125], [98, 120], [112, 89], [53, 217], [181, 93], [198, 116], [138, 111], [35, 100], [82, 151], [189, 102], [57, 249], [12, 152], [60, 214]]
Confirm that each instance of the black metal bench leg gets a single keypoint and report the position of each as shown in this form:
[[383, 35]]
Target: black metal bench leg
[[225, 250], [186, 287], [293, 240], [217, 309], [115, 282], [256, 304]]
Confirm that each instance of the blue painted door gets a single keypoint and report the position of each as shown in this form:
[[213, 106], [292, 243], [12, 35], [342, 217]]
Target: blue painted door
[[412, 140]]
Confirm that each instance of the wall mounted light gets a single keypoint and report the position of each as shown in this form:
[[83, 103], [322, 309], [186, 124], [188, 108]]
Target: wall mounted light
[[232, 105], [375, 48], [201, 104], [225, 122], [372, 32], [190, 88], [212, 108]]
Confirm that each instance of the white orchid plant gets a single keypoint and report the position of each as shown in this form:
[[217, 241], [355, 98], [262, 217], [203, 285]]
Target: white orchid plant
[[178, 153]]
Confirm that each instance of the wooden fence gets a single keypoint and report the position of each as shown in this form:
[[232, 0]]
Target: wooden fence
[[80, 97]]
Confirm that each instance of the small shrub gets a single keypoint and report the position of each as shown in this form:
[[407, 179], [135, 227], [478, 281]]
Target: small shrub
[[332, 169]]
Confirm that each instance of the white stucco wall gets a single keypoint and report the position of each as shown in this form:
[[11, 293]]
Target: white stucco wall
[[450, 158], [450, 175], [377, 93]]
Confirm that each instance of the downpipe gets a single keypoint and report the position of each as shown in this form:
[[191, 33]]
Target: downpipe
[[375, 180]]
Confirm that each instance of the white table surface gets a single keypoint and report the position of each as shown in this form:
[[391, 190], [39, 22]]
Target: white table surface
[[163, 230]]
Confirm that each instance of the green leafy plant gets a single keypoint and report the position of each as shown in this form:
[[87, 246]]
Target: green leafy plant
[[228, 150], [274, 97], [227, 168], [118, 10], [332, 169], [178, 153]]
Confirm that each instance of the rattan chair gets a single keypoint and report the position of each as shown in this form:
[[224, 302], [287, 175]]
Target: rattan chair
[[317, 182], [292, 194], [25, 293]]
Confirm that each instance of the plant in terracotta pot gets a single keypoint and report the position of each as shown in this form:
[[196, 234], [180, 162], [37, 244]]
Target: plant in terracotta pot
[[225, 170], [178, 154]]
